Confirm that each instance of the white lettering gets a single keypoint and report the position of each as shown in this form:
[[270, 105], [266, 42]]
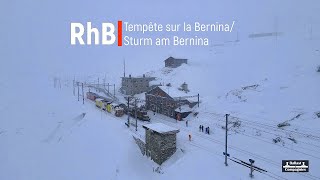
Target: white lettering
[[106, 34], [77, 35]]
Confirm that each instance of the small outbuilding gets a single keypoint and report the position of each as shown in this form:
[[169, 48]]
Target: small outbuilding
[[183, 110], [160, 141], [174, 63]]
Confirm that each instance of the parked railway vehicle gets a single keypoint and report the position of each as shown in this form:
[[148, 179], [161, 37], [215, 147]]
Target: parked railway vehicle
[[109, 107], [101, 103], [140, 112], [106, 104], [92, 96], [118, 111]]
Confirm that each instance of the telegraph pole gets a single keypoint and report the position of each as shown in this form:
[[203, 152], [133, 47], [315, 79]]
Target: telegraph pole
[[135, 113], [248, 165], [226, 144], [114, 90], [276, 27], [251, 167], [108, 87], [74, 93], [310, 29], [128, 111], [124, 68], [78, 90], [82, 95], [198, 100]]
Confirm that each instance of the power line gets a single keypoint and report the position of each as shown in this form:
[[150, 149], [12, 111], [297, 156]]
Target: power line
[[276, 164], [240, 150], [268, 126], [277, 144], [270, 120], [282, 146], [285, 138]]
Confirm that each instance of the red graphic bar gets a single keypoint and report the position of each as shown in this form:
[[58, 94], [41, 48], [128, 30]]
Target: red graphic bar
[[119, 33]]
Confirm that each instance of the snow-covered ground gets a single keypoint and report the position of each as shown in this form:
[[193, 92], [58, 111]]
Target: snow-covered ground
[[261, 82]]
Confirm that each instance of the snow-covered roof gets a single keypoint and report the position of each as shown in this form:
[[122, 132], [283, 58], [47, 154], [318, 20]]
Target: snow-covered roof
[[173, 91], [151, 83], [118, 108], [161, 128], [139, 77], [183, 108], [175, 59]]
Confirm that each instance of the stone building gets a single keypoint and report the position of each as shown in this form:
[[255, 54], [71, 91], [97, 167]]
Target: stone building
[[160, 141], [135, 85], [174, 63], [168, 101]]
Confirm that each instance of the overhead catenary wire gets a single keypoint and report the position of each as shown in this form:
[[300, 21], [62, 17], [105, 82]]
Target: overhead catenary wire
[[263, 129], [269, 126], [237, 149], [278, 135], [276, 164]]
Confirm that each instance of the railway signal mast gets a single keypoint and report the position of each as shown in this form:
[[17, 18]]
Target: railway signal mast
[[249, 165], [225, 153]]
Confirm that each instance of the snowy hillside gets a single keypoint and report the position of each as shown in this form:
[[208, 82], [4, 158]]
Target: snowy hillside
[[268, 85]]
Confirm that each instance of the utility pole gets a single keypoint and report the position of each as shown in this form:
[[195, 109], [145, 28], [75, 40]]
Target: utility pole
[[114, 90], [251, 167], [311, 32], [128, 111], [124, 68], [74, 93], [108, 87], [78, 90], [248, 165], [82, 95], [276, 27], [198, 100], [135, 113], [226, 144]]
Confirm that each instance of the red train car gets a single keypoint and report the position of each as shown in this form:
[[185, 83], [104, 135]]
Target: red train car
[[92, 96]]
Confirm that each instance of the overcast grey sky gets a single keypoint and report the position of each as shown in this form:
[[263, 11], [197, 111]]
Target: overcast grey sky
[[37, 33]]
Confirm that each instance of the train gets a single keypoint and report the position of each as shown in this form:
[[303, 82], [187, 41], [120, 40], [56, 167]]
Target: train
[[142, 113], [119, 110], [105, 104]]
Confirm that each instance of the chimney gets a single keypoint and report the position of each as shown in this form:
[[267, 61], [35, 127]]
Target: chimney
[[144, 75], [129, 75]]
